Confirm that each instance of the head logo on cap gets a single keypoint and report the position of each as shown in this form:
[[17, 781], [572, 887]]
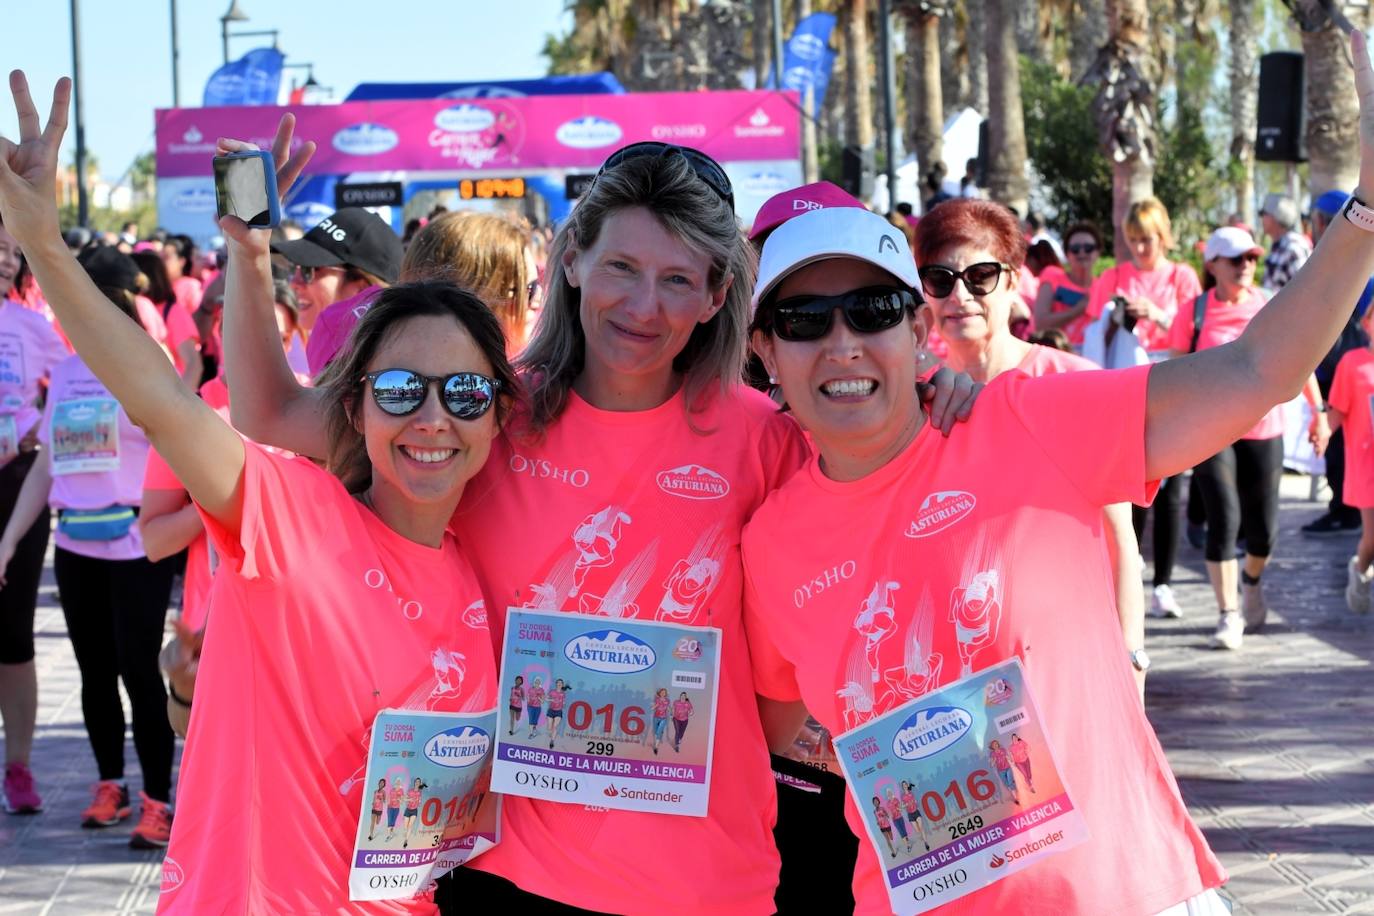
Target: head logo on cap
[[887, 243]]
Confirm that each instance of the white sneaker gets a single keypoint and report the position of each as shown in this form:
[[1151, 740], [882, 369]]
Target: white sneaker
[[1164, 604], [1357, 587], [1252, 606], [1230, 631]]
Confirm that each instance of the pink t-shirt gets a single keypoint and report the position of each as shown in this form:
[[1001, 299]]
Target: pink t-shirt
[[150, 316], [181, 327], [556, 698], [1352, 393], [634, 514], [378, 800], [682, 710], [1171, 286], [118, 442], [517, 697], [29, 350], [1067, 295], [661, 707], [200, 560], [535, 696], [189, 292], [1020, 751], [894, 806], [395, 796], [909, 802], [334, 326], [1043, 360], [939, 564], [323, 616], [884, 819], [413, 799], [1223, 322], [1000, 758]]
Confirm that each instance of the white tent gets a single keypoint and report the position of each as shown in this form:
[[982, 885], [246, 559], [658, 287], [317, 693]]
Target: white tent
[[960, 145]]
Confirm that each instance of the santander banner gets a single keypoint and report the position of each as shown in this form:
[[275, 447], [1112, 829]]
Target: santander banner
[[506, 135]]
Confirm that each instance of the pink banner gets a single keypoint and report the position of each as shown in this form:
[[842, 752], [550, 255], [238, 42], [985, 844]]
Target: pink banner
[[498, 135]]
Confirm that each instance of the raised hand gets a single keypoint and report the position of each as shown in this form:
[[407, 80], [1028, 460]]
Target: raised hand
[[289, 168], [28, 169], [1364, 88]]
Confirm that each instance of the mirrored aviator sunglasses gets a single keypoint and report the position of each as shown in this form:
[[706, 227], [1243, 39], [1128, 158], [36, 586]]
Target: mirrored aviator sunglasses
[[705, 168], [866, 311], [465, 395]]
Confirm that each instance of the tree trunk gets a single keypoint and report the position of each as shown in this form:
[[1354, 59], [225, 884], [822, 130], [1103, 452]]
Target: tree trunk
[[763, 41], [1028, 40], [1333, 129], [1087, 35], [925, 104], [977, 37], [1244, 76], [858, 110], [954, 60], [1124, 108], [1007, 180]]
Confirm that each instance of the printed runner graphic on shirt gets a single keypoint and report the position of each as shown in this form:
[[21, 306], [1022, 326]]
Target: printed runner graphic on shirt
[[428, 805], [85, 436], [959, 789], [614, 713]]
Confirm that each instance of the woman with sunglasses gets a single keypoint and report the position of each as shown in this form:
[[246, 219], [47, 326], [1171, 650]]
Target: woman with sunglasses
[[635, 374], [273, 734], [1240, 483], [941, 516], [1062, 301], [970, 250]]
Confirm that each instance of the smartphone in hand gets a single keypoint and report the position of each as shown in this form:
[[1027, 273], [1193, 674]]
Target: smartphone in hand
[[246, 187]]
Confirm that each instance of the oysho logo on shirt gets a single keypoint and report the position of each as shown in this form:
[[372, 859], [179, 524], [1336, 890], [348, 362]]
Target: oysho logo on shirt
[[172, 875], [693, 481], [541, 469], [827, 579], [610, 652], [458, 747], [939, 511]]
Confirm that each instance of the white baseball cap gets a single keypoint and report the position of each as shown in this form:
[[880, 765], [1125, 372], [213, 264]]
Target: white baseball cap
[[1230, 242], [835, 232]]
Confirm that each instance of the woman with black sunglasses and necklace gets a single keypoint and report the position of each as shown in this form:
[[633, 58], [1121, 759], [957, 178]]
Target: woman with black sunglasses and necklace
[[314, 565]]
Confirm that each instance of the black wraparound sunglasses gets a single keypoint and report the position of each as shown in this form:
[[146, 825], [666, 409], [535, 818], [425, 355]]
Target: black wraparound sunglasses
[[400, 392], [866, 311], [704, 167]]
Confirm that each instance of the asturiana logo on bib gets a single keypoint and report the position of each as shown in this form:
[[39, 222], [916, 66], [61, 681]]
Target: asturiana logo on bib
[[589, 132], [458, 747], [172, 875], [610, 652], [939, 511], [365, 139], [694, 482], [927, 732], [464, 119]]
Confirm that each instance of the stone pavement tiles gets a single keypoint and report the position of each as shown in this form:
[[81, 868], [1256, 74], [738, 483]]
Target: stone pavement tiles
[[1273, 748]]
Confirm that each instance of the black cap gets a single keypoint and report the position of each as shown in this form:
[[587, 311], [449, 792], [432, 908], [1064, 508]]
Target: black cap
[[109, 268], [351, 236]]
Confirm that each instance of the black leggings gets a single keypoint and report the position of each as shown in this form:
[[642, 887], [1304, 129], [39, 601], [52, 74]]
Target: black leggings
[[115, 611], [19, 597], [1166, 506], [1240, 485], [460, 888]]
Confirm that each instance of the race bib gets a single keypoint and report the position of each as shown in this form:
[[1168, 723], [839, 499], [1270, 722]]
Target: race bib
[[958, 789], [9, 437], [427, 801], [85, 436], [609, 712]]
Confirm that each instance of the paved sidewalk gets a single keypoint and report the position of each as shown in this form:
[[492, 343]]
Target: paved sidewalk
[[1273, 748]]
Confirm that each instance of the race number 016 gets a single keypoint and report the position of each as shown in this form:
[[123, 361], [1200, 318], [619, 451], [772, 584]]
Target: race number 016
[[581, 716], [980, 788]]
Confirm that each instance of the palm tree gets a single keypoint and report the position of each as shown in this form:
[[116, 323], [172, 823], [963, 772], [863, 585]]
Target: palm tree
[[976, 30], [954, 61], [1333, 148], [1087, 34], [1124, 107], [1007, 181], [924, 100], [1244, 104], [858, 76]]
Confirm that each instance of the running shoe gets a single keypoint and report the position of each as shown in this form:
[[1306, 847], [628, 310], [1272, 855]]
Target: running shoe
[[1357, 587], [20, 795], [1330, 524], [154, 824], [1164, 604], [109, 807], [1252, 606], [1230, 631]]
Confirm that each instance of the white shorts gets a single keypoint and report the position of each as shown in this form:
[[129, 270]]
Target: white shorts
[[1207, 903]]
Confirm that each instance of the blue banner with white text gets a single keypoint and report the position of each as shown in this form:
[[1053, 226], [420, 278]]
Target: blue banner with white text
[[253, 79]]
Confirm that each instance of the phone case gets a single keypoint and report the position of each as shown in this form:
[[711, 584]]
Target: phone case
[[273, 209]]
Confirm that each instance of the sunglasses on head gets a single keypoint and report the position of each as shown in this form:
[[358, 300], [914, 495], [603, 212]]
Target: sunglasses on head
[[400, 392], [866, 311], [979, 279], [1083, 248], [1241, 260], [705, 168]]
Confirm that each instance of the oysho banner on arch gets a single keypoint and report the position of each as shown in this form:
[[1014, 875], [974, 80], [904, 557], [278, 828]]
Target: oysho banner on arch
[[508, 135]]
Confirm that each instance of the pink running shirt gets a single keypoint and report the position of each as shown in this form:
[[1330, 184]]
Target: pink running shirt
[[909, 802], [517, 697], [682, 710], [181, 327], [1000, 758], [556, 698], [29, 351], [413, 799], [378, 800], [884, 819], [535, 696], [1043, 360], [894, 807], [293, 674], [945, 564], [1057, 279], [1223, 322], [1020, 751], [1352, 393], [395, 796], [1171, 286], [189, 293], [660, 707], [636, 515]]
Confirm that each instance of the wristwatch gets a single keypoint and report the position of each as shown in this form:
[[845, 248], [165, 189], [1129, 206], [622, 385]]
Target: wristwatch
[[1359, 214], [1140, 660]]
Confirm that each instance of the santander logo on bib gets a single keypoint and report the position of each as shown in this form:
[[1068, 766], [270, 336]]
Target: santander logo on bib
[[458, 747], [610, 652], [693, 482], [939, 511]]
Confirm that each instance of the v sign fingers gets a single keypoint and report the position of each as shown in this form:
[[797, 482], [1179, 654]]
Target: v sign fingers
[[28, 169], [289, 164]]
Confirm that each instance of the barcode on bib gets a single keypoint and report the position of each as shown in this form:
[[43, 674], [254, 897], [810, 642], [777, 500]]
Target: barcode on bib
[[691, 680], [1010, 720]]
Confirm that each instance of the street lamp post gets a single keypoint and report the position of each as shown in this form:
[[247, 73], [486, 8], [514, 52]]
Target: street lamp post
[[889, 102], [233, 15], [83, 215], [176, 58]]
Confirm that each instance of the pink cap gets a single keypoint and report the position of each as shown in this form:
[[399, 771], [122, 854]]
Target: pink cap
[[333, 328], [779, 208]]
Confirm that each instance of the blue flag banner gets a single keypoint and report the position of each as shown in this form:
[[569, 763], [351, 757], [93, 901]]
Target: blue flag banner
[[808, 59], [253, 79]]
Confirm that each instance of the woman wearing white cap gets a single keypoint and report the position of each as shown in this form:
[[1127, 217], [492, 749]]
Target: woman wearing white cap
[[990, 563], [1239, 484]]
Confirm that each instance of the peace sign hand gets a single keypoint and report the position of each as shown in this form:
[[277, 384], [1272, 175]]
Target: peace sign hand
[[28, 169], [289, 168]]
